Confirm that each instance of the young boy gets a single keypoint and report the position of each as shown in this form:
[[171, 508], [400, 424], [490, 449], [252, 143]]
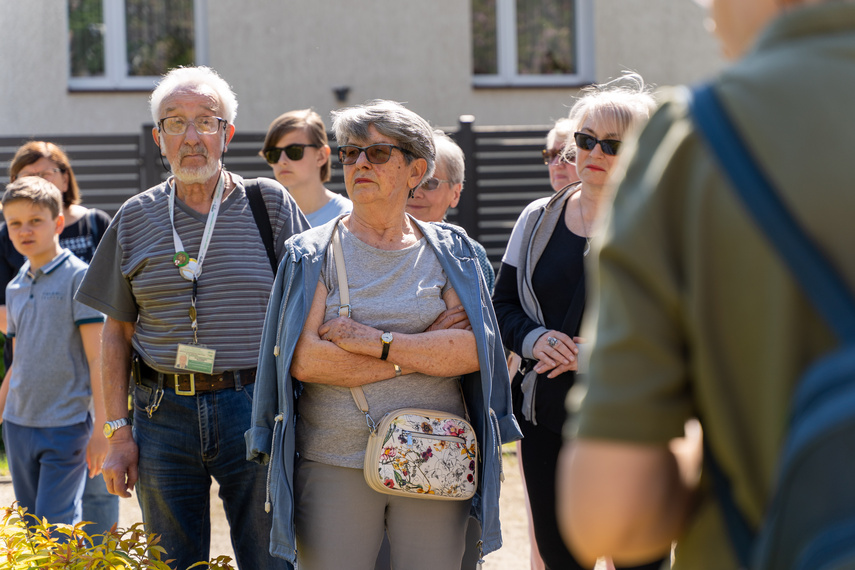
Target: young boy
[[49, 390]]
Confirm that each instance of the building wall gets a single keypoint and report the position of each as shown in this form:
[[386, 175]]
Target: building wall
[[286, 54]]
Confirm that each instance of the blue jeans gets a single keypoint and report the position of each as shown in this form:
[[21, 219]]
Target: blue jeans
[[99, 507], [188, 440], [48, 467]]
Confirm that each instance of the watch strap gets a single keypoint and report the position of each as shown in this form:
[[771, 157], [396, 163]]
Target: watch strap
[[386, 346]]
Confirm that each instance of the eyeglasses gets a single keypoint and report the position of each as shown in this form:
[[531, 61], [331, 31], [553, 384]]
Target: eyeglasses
[[379, 153], [433, 183], [292, 151], [587, 142], [41, 173], [203, 125], [549, 155]]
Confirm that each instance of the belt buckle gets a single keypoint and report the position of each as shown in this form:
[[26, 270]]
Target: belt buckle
[[191, 391]]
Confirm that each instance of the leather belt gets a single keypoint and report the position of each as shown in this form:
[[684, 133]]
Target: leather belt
[[191, 384]]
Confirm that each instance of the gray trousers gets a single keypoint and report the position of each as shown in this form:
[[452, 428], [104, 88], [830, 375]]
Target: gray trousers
[[341, 522]]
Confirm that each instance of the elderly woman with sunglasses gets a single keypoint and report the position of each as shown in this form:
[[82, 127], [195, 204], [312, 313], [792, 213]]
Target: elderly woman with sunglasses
[[296, 149], [560, 154], [540, 292], [402, 274], [432, 199]]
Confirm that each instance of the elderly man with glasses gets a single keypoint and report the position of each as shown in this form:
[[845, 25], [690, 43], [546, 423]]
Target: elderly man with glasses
[[183, 274]]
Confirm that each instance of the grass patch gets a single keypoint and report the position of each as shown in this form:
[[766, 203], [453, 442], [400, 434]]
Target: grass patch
[[4, 465]]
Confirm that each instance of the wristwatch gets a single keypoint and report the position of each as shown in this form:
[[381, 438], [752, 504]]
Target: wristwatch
[[111, 426], [386, 339]]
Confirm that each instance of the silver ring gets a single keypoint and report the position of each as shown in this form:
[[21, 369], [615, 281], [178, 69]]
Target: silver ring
[[551, 341]]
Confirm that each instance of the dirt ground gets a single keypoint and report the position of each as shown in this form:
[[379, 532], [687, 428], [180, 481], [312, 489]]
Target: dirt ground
[[512, 556]]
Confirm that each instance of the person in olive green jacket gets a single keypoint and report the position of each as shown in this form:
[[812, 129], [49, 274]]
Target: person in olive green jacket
[[697, 315]]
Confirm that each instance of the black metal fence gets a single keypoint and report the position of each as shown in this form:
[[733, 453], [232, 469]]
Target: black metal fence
[[504, 171]]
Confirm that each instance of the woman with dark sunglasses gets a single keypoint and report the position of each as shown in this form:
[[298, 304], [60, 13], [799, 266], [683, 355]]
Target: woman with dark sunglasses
[[540, 293], [397, 341], [296, 149]]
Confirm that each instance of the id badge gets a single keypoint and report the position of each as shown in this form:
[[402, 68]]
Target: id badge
[[195, 358]]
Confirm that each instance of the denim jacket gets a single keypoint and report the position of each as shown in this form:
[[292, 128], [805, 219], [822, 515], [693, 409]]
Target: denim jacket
[[270, 440]]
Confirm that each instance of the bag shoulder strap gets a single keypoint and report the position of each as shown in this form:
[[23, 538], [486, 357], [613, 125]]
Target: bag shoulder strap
[[344, 310], [819, 280], [262, 220]]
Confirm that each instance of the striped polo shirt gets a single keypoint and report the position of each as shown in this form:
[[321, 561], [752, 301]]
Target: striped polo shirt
[[133, 278]]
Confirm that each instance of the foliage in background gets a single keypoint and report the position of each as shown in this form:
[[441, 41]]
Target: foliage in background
[[40, 544]]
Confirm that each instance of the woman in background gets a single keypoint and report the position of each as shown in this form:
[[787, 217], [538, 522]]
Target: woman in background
[[296, 149], [560, 154], [537, 317]]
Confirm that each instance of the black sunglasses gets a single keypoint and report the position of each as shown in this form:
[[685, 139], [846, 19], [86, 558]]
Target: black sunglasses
[[292, 151], [378, 153], [587, 142], [549, 155]]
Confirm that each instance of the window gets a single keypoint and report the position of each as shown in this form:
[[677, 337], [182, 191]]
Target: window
[[532, 42], [129, 44]]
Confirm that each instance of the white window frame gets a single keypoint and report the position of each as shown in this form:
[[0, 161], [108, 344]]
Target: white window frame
[[115, 76], [506, 42]]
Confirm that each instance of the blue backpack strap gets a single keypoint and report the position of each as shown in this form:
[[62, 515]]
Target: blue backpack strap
[[818, 279]]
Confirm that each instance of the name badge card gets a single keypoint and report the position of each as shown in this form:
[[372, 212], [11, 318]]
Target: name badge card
[[195, 358]]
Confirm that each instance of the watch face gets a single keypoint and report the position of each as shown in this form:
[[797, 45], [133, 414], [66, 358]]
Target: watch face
[[108, 430], [386, 337]]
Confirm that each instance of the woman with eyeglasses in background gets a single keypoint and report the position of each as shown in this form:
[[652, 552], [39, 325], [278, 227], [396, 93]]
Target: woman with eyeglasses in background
[[560, 154], [296, 149], [540, 292], [83, 230], [430, 201]]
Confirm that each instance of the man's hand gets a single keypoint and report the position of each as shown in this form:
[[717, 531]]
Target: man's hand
[[120, 467]]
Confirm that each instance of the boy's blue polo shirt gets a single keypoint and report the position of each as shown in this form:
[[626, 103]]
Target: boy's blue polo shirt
[[50, 375]]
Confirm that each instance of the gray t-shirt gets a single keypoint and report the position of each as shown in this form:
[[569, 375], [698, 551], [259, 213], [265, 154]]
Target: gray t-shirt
[[49, 385], [133, 278], [337, 205], [399, 291]]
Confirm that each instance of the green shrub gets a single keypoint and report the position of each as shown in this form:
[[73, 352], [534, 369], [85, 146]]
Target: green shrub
[[37, 544]]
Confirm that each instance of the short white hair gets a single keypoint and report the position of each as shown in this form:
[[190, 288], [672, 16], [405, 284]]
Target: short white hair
[[190, 77]]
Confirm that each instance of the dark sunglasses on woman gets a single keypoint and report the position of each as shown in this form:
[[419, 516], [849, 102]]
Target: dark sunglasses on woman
[[587, 142], [292, 151]]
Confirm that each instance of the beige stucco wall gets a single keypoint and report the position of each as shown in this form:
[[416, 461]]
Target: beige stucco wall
[[287, 54]]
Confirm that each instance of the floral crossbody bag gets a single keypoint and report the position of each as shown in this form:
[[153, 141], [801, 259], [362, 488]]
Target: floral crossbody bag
[[414, 452]]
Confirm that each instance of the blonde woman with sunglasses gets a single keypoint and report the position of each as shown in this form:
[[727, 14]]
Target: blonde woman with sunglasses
[[540, 293], [296, 149]]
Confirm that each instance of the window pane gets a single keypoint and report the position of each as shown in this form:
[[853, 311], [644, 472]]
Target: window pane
[[86, 38], [545, 38], [484, 44], [159, 34]]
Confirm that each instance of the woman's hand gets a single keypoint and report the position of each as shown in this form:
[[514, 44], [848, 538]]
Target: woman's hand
[[454, 318], [556, 353], [352, 336]]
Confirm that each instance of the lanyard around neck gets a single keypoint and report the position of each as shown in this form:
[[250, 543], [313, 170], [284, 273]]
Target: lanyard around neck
[[209, 225]]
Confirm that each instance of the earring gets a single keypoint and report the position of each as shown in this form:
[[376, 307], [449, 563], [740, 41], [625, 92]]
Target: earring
[[412, 193]]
